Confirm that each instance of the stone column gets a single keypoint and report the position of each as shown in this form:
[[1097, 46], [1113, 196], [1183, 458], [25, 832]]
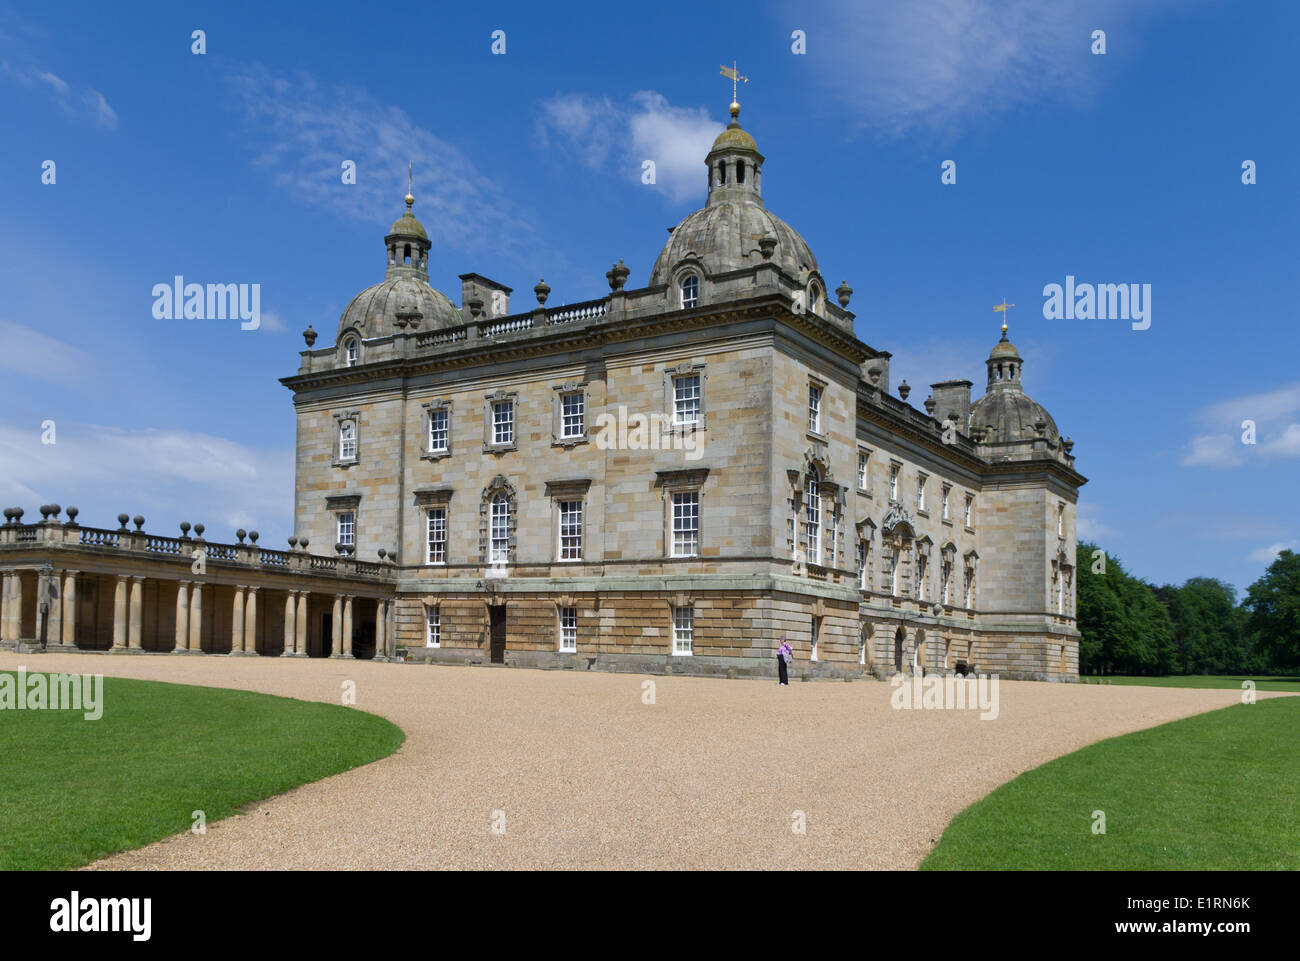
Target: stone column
[[347, 626], [337, 629], [290, 630], [237, 622], [68, 610], [16, 607], [300, 624], [119, 613], [182, 616], [196, 618], [250, 622], [135, 625], [381, 629], [6, 590]]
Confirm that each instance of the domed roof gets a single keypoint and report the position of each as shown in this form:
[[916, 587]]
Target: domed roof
[[725, 235], [1004, 350], [734, 137], [377, 310], [407, 226], [1013, 414]]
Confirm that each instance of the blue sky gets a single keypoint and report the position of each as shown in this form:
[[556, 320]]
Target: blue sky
[[225, 167]]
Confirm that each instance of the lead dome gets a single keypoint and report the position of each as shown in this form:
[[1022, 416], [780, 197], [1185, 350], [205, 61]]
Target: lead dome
[[404, 298], [729, 231]]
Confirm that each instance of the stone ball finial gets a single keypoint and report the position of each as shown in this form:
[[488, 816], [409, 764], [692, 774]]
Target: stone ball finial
[[904, 390], [45, 511], [309, 335], [767, 246], [185, 530], [198, 530], [138, 521], [382, 554], [9, 515], [303, 542], [338, 547], [122, 519], [475, 303], [1068, 444], [241, 534], [253, 536], [72, 515], [55, 510], [873, 374], [542, 290], [844, 292], [293, 542]]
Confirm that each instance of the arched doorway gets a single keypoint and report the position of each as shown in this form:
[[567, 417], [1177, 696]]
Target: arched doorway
[[918, 654], [900, 640]]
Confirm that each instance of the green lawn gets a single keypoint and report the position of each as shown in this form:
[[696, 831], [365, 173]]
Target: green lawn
[[1219, 791], [1263, 682], [73, 790]]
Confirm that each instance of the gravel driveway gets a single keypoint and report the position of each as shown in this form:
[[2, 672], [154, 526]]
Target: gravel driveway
[[509, 768]]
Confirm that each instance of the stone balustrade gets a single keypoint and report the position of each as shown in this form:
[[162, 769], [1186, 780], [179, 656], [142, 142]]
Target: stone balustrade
[[68, 587]]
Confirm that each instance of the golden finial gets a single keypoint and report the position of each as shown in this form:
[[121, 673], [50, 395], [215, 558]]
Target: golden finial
[[734, 75], [1003, 308], [409, 199]]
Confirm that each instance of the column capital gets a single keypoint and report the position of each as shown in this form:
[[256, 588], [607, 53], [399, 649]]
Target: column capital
[[253, 587]]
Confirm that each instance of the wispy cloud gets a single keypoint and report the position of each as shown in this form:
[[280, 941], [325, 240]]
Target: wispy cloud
[[305, 130], [91, 104], [167, 475], [1090, 526], [947, 65], [1275, 415], [104, 115], [618, 138], [33, 354], [1265, 555], [272, 322]]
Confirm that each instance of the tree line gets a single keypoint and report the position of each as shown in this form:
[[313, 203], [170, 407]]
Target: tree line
[[1129, 626]]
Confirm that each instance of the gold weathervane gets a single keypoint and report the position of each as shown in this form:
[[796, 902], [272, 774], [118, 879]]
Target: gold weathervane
[[1002, 308], [409, 199], [734, 76]]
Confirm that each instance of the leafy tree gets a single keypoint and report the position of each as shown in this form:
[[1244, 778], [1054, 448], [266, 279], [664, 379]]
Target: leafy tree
[[1125, 628], [1274, 605], [1209, 627]]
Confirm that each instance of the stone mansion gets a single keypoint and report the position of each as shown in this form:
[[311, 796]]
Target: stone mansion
[[664, 478]]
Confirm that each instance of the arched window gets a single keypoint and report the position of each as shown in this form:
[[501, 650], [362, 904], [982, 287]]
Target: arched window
[[352, 352], [740, 172], [690, 290], [500, 530], [722, 172]]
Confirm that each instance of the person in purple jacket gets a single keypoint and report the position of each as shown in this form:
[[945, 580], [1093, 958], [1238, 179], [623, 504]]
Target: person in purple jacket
[[784, 655]]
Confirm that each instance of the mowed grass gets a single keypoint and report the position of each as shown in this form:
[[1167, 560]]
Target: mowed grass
[[73, 790], [1263, 682], [1218, 791]]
